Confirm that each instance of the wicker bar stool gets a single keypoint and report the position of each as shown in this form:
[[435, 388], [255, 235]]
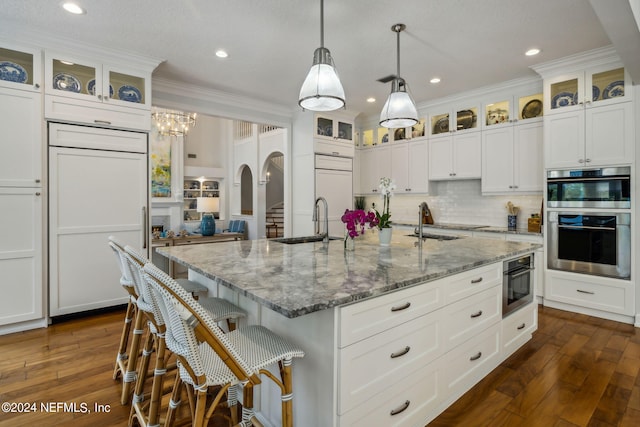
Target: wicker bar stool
[[148, 413], [214, 362], [126, 361]]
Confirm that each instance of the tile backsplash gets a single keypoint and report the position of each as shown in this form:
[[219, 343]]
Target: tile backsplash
[[460, 202]]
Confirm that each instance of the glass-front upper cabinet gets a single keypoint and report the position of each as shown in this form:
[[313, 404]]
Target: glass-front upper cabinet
[[20, 68], [90, 80], [513, 108], [335, 129], [461, 119], [596, 86], [415, 131]]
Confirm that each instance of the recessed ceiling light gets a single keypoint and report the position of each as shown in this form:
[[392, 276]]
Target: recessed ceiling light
[[371, 99], [532, 52], [73, 8], [435, 80], [221, 53]]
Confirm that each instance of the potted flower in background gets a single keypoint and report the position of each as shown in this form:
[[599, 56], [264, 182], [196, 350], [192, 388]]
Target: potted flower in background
[[355, 221], [384, 220]]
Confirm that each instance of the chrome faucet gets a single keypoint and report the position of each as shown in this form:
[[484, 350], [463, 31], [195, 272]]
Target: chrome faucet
[[422, 209], [325, 238]]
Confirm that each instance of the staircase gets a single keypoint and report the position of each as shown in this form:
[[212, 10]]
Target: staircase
[[274, 221]]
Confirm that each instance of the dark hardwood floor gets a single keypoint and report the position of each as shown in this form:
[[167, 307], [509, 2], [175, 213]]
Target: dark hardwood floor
[[576, 371]]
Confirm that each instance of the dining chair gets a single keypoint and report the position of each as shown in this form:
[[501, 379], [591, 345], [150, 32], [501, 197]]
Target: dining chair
[[210, 361]]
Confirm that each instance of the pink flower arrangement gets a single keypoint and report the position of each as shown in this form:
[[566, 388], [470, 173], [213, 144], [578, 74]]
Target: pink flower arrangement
[[356, 220]]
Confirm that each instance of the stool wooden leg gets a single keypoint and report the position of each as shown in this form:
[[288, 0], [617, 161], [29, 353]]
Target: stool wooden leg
[[137, 404], [130, 376], [158, 378], [174, 401], [287, 395], [124, 340]]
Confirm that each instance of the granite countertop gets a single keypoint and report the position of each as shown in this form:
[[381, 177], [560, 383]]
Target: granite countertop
[[298, 279], [471, 227]]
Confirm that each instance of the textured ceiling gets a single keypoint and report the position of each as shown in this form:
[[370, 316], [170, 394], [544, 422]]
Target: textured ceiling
[[467, 43]]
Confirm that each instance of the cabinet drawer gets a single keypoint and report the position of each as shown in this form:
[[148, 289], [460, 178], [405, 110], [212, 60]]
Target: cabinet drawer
[[518, 327], [63, 135], [367, 318], [600, 293], [370, 366], [334, 148], [471, 282], [96, 114], [470, 362], [410, 402], [334, 162], [468, 317]]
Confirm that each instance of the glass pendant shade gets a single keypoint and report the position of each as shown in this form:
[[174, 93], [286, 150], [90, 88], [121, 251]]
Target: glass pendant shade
[[399, 111], [322, 90]]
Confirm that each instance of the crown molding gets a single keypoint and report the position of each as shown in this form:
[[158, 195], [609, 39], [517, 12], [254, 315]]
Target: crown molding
[[169, 93], [578, 62], [53, 42]]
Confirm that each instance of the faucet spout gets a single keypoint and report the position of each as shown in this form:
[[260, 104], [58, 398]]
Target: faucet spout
[[325, 235]]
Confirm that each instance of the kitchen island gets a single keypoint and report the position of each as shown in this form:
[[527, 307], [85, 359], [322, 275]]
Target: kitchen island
[[392, 335]]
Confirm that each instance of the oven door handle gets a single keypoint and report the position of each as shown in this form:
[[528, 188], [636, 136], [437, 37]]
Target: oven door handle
[[580, 179], [518, 273], [587, 227]]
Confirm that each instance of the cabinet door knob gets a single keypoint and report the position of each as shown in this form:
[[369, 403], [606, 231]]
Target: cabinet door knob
[[37, 85], [100, 97], [580, 160], [587, 160], [37, 181], [38, 193]]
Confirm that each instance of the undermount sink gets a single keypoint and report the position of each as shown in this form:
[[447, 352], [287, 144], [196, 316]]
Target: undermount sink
[[436, 236], [305, 239]]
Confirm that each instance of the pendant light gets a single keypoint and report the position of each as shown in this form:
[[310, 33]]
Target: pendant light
[[322, 90], [399, 111]]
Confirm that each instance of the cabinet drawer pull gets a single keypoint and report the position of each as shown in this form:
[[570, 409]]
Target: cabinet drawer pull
[[586, 292], [401, 307], [37, 193], [521, 326], [400, 408], [102, 122], [476, 357], [478, 314], [478, 280], [401, 352]]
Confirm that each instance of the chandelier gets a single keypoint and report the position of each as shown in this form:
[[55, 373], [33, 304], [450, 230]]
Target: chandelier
[[173, 122]]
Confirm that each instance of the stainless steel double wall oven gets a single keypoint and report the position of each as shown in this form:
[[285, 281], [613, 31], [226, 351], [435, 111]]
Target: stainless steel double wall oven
[[589, 221]]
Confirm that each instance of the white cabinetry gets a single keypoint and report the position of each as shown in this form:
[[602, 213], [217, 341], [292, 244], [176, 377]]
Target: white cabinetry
[[409, 166], [455, 156], [334, 182], [375, 163], [334, 135], [21, 169], [588, 113], [512, 159], [84, 90], [594, 136], [405, 356]]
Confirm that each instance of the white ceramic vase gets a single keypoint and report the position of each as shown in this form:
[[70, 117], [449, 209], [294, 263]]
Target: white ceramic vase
[[384, 235]]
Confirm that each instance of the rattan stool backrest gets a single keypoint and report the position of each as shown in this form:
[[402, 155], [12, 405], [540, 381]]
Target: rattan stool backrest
[[188, 324]]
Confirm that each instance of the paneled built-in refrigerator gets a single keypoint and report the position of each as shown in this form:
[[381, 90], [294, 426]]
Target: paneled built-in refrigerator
[[98, 186]]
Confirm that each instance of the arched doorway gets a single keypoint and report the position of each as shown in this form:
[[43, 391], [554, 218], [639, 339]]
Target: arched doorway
[[273, 170]]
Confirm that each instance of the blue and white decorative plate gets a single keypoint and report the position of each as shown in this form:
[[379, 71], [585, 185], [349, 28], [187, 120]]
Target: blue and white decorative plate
[[596, 93], [91, 88], [563, 99], [68, 82], [12, 72], [613, 90], [129, 93]]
